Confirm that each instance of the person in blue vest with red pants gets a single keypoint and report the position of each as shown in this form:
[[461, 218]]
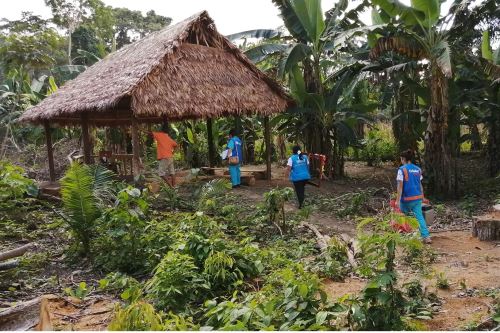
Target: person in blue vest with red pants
[[235, 157], [411, 192], [298, 173]]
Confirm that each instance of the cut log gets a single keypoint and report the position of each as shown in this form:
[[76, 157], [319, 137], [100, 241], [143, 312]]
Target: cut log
[[8, 265], [16, 252], [487, 227], [20, 317]]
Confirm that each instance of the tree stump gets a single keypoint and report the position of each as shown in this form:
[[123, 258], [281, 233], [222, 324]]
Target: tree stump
[[487, 227]]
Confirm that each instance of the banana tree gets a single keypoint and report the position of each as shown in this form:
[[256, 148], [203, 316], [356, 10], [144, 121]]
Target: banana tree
[[308, 58], [491, 67], [419, 35]]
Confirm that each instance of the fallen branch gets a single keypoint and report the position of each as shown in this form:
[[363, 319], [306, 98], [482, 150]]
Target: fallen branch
[[321, 239], [351, 249], [16, 252]]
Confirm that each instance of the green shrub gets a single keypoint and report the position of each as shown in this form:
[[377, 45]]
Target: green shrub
[[176, 282], [333, 263], [378, 145], [291, 299], [119, 243], [140, 316], [14, 185]]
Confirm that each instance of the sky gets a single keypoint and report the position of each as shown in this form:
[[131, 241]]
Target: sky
[[230, 16]]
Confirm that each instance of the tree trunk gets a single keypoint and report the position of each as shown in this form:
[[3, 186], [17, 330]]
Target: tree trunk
[[405, 122], [475, 138], [439, 164], [69, 46], [493, 145]]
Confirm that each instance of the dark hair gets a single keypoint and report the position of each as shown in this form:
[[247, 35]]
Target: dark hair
[[295, 150], [232, 132], [165, 127], [408, 155]]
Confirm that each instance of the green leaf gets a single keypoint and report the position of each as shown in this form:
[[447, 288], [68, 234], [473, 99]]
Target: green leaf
[[303, 290], [258, 33], [125, 295], [486, 52], [293, 56], [321, 317], [430, 8], [444, 57], [190, 135], [310, 16]]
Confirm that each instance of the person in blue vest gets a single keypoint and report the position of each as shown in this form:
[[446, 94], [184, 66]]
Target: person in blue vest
[[411, 192], [234, 156], [298, 172]]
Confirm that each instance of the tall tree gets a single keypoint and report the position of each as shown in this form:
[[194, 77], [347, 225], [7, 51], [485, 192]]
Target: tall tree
[[131, 25], [69, 14], [419, 35]]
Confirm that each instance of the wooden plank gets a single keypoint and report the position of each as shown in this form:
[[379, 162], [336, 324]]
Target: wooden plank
[[210, 139], [267, 139], [50, 151], [136, 159], [87, 145]]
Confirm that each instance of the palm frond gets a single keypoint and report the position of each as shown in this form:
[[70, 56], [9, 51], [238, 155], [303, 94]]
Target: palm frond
[[258, 33], [103, 179]]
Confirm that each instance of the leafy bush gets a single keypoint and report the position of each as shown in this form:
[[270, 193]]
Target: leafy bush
[[274, 204], [333, 263], [290, 300], [210, 195], [140, 316], [377, 245], [119, 243], [176, 281], [378, 145], [13, 184]]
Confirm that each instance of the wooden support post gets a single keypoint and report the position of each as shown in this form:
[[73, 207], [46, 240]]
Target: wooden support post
[[267, 139], [87, 144], [136, 159], [210, 139], [50, 152]]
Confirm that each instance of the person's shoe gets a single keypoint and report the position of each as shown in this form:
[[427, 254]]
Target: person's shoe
[[427, 240]]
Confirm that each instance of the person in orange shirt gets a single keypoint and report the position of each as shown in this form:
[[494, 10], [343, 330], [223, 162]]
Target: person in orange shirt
[[165, 146]]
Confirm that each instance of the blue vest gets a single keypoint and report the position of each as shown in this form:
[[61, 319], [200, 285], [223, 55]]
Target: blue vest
[[236, 151], [411, 183], [300, 169]]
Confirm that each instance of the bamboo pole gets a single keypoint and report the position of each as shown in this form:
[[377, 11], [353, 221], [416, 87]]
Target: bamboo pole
[[50, 151], [87, 145], [267, 139], [210, 139]]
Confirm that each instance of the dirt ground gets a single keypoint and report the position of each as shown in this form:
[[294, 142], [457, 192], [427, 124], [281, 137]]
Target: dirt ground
[[472, 267]]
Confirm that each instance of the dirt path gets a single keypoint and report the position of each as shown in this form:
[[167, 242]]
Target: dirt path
[[466, 262]]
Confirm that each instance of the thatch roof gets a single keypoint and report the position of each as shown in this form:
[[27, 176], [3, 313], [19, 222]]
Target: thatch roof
[[185, 71]]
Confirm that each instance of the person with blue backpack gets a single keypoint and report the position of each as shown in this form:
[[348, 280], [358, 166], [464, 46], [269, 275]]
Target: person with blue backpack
[[235, 157], [298, 173], [411, 192]]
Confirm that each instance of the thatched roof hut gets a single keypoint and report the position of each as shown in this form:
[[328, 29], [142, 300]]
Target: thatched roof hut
[[185, 71]]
